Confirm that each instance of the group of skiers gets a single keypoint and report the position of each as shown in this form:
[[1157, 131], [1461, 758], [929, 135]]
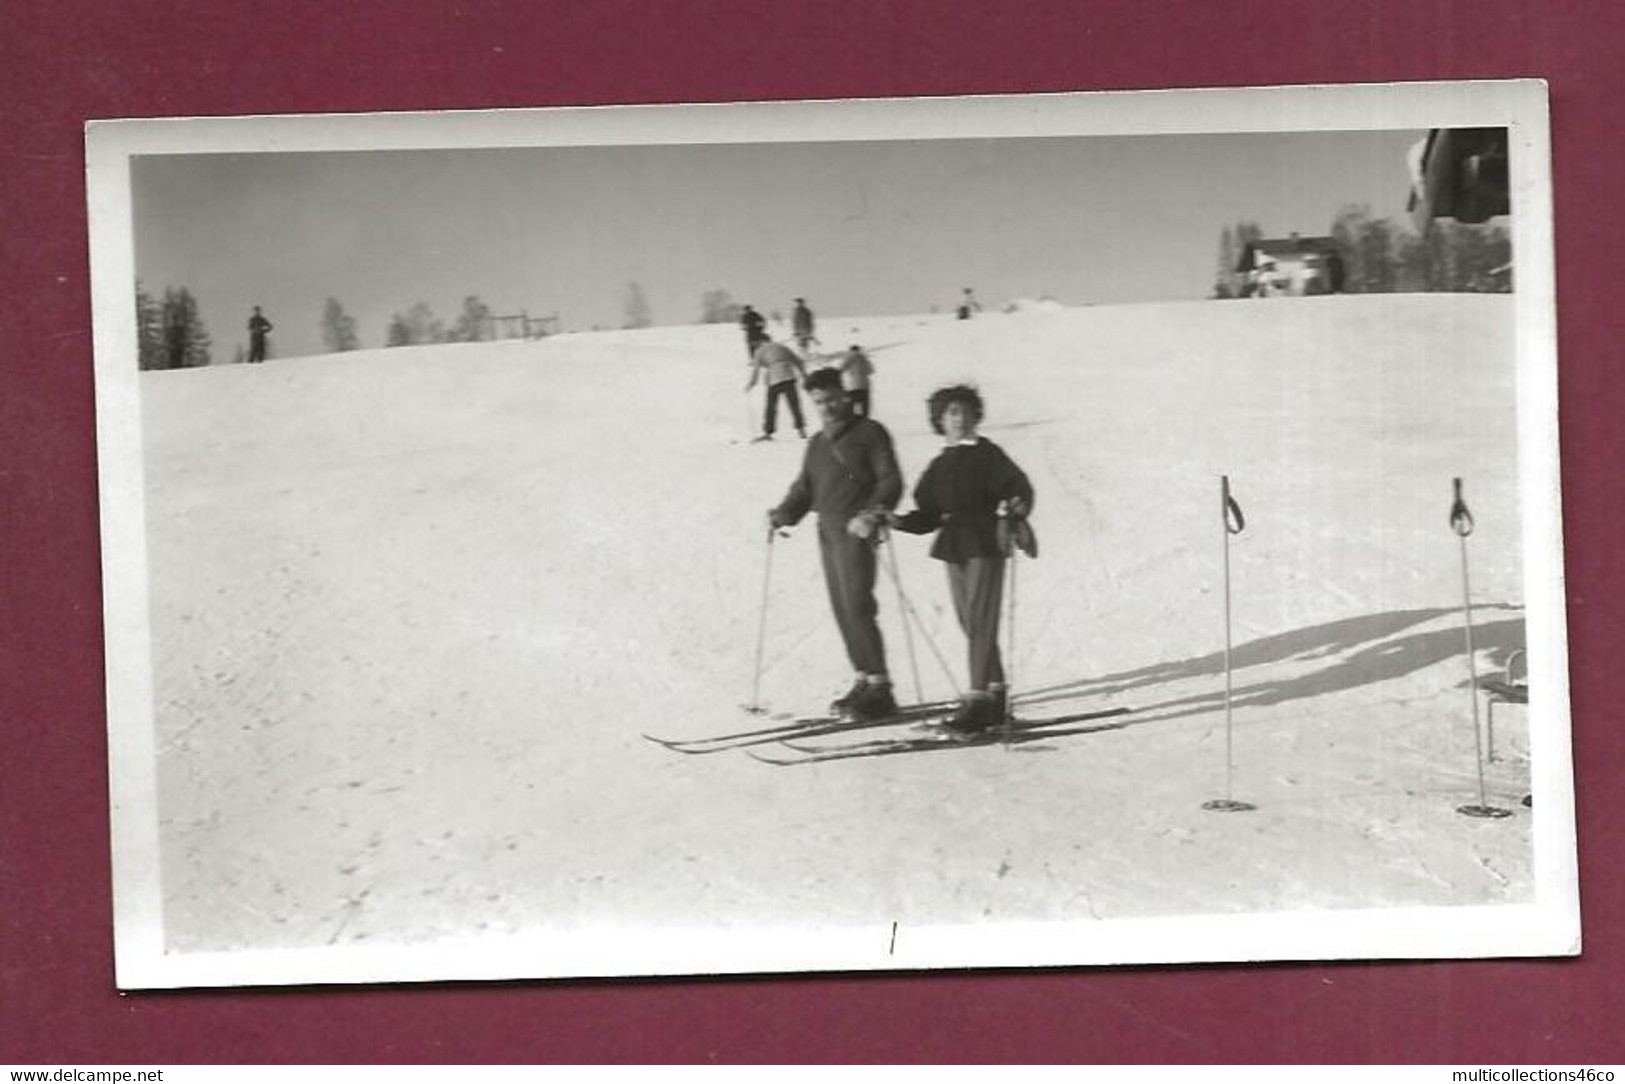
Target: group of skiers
[[972, 495], [780, 368]]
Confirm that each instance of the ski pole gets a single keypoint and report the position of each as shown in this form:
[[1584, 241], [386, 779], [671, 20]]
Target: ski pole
[[755, 706], [910, 612], [1234, 523], [1461, 522], [881, 538]]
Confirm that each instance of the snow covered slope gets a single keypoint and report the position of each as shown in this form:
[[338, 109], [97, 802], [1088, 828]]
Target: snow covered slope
[[412, 609]]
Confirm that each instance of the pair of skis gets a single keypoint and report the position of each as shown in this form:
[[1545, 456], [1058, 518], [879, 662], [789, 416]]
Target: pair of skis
[[805, 726], [795, 741]]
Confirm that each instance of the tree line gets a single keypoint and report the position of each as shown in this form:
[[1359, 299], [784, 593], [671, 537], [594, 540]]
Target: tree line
[[171, 334], [1382, 257], [169, 331]]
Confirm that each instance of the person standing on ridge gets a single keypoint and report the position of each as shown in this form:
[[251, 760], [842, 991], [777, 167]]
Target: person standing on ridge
[[850, 477], [977, 500], [967, 305], [856, 369], [801, 326], [755, 329], [778, 366], [258, 328]]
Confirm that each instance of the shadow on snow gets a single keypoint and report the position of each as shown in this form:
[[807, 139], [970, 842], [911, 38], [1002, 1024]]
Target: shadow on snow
[[1364, 651]]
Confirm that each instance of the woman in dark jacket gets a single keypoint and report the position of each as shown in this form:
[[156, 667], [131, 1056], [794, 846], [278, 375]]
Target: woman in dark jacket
[[969, 488]]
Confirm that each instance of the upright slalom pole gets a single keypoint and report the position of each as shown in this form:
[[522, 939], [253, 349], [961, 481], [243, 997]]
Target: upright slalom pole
[[755, 705], [1234, 523], [1461, 521]]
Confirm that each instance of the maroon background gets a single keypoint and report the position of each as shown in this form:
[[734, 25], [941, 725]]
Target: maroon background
[[64, 63]]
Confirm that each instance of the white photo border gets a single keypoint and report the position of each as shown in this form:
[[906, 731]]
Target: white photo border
[[1550, 926]]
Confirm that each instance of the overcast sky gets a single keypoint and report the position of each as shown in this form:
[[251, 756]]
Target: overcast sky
[[856, 228]]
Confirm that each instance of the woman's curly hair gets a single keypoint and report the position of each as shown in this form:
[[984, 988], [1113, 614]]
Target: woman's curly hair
[[955, 393]]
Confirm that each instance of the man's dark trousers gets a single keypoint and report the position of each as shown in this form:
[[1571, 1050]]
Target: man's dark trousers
[[785, 389], [849, 573]]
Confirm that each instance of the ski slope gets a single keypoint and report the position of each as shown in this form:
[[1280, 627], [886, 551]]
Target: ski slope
[[412, 610]]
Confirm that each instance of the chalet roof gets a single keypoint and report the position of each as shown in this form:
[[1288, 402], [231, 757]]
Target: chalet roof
[[1279, 247]]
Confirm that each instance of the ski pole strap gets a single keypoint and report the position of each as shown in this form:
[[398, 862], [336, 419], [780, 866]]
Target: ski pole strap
[[1461, 520], [1234, 521]]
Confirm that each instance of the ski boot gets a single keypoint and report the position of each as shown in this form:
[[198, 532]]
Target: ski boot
[[976, 715], [872, 703], [842, 705]]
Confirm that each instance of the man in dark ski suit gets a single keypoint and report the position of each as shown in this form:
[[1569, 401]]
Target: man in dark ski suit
[[801, 325], [258, 328], [856, 369], [849, 476], [755, 328], [967, 305]]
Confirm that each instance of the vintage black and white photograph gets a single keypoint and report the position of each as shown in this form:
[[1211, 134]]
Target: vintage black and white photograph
[[833, 536]]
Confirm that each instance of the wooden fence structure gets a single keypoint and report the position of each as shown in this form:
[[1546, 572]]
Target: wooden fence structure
[[520, 325]]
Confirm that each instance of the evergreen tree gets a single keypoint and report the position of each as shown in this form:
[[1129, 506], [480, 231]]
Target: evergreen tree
[[338, 328], [1245, 233], [149, 330], [717, 307], [397, 333], [416, 327], [1378, 256], [1448, 256], [1483, 254], [1347, 229], [1224, 284], [426, 327], [472, 322], [185, 340], [636, 307]]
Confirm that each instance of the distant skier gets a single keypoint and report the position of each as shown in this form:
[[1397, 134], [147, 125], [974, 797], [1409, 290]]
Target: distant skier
[[856, 369], [258, 328], [778, 367], [961, 496], [755, 329], [967, 305], [801, 325], [849, 476]]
